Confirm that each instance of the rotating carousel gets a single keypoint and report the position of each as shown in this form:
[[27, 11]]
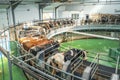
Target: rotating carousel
[[44, 57]]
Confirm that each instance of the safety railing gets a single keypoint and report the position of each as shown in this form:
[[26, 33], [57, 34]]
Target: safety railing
[[90, 70]]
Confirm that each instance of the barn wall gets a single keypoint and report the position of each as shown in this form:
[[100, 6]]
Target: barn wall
[[22, 13], [61, 12], [26, 13], [94, 8], [91, 9], [51, 9], [3, 18]]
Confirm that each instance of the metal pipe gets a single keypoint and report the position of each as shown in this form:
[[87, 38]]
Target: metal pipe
[[72, 63], [92, 63], [94, 69], [24, 55], [5, 42], [80, 63], [117, 65], [94, 72], [9, 66], [29, 59]]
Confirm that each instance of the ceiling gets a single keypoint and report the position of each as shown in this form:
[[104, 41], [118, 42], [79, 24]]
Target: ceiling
[[5, 3]]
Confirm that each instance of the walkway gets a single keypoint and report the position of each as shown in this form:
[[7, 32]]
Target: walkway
[[111, 28]]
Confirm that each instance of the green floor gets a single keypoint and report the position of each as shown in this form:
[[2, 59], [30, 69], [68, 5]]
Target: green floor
[[94, 46], [16, 72]]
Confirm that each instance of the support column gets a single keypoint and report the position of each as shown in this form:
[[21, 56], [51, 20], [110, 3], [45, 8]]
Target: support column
[[55, 12], [13, 5], [41, 14], [8, 21], [8, 56], [7, 17], [13, 20], [40, 9]]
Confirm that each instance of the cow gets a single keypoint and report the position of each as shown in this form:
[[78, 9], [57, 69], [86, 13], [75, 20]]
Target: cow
[[59, 59], [47, 48], [26, 39], [30, 43]]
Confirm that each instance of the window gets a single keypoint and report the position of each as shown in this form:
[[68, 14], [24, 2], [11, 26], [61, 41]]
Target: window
[[75, 16]]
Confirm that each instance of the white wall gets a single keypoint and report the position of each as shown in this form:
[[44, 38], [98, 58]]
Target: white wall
[[3, 18], [90, 9], [26, 13], [21, 14], [60, 12], [51, 9], [94, 8], [48, 13]]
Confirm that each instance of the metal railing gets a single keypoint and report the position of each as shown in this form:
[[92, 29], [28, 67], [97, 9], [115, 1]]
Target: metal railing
[[90, 70], [94, 65]]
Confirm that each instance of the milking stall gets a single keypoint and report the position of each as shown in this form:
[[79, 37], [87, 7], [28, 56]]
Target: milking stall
[[59, 39]]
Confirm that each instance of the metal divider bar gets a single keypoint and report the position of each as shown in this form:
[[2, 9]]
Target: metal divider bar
[[117, 65], [29, 59], [24, 55]]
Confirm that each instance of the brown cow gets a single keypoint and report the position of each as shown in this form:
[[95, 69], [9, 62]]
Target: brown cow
[[28, 44], [26, 39]]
